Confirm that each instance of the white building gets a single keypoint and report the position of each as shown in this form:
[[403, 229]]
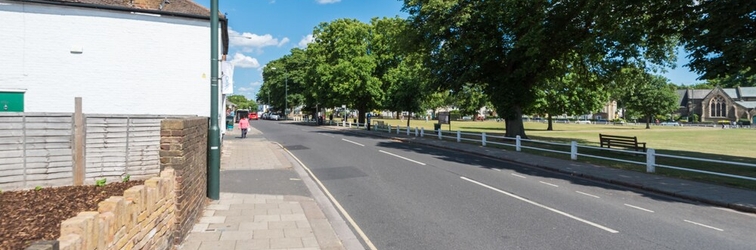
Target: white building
[[121, 57]]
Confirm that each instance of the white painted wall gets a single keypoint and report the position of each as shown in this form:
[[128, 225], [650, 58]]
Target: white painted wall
[[130, 63]]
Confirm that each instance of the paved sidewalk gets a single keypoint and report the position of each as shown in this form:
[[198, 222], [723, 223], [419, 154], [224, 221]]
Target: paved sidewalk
[[723, 196], [267, 201]]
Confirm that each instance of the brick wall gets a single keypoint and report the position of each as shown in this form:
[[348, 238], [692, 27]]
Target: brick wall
[[183, 147], [143, 218]]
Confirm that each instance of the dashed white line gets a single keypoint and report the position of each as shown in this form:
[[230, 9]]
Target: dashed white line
[[553, 185], [587, 194], [704, 225], [639, 208], [402, 157], [519, 176], [352, 142], [542, 206]]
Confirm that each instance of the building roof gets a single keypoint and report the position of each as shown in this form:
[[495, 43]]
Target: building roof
[[732, 93], [745, 104], [188, 7], [748, 91], [681, 96], [699, 93]]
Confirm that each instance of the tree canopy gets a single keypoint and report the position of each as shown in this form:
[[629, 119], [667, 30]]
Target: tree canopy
[[509, 46]]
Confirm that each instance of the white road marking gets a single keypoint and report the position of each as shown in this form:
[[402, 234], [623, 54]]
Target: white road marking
[[402, 157], [542, 206], [703, 225], [587, 194], [497, 169], [334, 201], [553, 185], [639, 208], [519, 176], [352, 142]]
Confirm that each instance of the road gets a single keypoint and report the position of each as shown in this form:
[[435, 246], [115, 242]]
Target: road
[[407, 196]]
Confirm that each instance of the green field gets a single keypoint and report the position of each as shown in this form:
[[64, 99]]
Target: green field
[[738, 145]]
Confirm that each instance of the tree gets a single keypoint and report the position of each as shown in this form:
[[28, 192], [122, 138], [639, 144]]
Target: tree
[[737, 80], [721, 37], [655, 97], [407, 88], [569, 96], [509, 46], [470, 99], [435, 100], [342, 68], [242, 102]]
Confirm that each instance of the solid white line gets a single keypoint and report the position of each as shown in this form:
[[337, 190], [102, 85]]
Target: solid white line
[[587, 194], [703, 225], [639, 208], [399, 156], [520, 176], [542, 206], [553, 185], [335, 202], [352, 142]]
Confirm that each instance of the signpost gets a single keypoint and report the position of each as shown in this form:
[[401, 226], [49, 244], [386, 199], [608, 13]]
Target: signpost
[[443, 118]]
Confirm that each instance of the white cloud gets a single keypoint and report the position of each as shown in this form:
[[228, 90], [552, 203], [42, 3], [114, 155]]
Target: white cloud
[[327, 1], [249, 41], [306, 40], [283, 41], [242, 61]]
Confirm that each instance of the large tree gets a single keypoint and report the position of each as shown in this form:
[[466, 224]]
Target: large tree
[[570, 96], [509, 46], [653, 95], [721, 36], [343, 67]]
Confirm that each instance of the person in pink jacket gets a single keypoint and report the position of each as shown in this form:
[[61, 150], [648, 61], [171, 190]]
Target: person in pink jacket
[[244, 125]]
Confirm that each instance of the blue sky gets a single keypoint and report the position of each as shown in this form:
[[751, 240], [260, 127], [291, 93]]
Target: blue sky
[[277, 26]]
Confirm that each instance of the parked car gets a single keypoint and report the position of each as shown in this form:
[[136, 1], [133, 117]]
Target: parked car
[[273, 117], [253, 116], [582, 122]]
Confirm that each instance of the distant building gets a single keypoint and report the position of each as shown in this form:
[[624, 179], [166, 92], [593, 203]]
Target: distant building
[[718, 104]]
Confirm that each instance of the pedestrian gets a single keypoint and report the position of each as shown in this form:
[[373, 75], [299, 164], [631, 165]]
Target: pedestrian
[[244, 125]]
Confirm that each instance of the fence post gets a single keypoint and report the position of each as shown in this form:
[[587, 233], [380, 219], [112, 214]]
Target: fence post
[[650, 160], [408, 130], [459, 136], [398, 129], [573, 150], [416, 133], [439, 134], [389, 128], [483, 138], [422, 130], [79, 167], [518, 144]]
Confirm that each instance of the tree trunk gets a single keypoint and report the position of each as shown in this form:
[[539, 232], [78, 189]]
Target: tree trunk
[[514, 124], [408, 118], [648, 122], [361, 114], [551, 126]]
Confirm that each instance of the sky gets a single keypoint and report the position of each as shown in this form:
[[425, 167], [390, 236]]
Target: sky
[[264, 30]]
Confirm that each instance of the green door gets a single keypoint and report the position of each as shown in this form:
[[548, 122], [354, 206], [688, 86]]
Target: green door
[[11, 101]]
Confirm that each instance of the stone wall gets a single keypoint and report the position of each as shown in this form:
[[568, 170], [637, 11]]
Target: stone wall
[[183, 147], [143, 218]]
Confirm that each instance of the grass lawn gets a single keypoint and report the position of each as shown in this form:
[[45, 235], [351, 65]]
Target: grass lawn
[[737, 145]]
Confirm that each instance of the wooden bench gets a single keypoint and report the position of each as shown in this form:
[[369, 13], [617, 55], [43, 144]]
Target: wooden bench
[[622, 141]]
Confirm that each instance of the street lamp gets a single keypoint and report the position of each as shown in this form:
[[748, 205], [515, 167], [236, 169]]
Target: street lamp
[[286, 92]]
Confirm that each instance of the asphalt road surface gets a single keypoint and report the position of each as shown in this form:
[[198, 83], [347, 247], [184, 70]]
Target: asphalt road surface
[[407, 196]]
